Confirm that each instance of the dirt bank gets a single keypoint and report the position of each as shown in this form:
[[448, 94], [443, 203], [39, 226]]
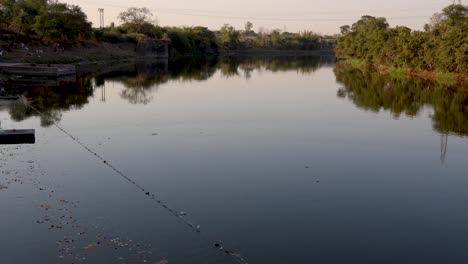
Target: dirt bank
[[34, 52]]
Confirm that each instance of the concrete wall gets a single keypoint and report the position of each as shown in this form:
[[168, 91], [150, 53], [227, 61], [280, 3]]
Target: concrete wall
[[153, 49], [44, 70]]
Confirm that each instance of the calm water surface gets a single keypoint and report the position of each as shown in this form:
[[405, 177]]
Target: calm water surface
[[286, 160]]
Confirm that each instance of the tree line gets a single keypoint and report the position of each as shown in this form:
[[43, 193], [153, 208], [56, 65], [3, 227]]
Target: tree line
[[441, 46], [50, 20], [201, 40]]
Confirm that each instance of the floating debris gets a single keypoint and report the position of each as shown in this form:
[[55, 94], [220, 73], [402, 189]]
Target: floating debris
[[117, 243], [90, 246], [46, 207]]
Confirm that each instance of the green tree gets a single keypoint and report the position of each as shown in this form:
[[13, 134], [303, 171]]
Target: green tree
[[248, 28], [137, 20], [228, 38], [63, 22], [442, 46], [25, 13], [7, 12], [452, 38]]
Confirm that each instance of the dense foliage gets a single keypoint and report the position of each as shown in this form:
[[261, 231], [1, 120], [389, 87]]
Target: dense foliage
[[442, 46], [44, 19], [191, 40]]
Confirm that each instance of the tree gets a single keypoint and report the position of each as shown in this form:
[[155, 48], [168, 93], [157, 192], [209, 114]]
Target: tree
[[364, 39], [450, 39], [136, 19], [25, 13], [454, 14], [345, 29], [248, 28], [442, 46], [228, 37], [63, 22], [6, 12]]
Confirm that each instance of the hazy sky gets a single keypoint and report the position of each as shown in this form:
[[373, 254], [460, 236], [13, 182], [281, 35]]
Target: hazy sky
[[322, 16]]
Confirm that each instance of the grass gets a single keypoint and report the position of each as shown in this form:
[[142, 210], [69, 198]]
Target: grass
[[360, 64], [397, 72], [445, 78]]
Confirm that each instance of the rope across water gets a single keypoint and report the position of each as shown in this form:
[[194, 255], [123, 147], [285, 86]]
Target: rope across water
[[217, 244]]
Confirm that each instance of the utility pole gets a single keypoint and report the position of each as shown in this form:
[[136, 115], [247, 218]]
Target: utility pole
[[101, 17]]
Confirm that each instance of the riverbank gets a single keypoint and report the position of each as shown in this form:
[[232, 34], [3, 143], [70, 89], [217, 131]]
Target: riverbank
[[400, 72], [98, 52], [84, 52], [276, 52]]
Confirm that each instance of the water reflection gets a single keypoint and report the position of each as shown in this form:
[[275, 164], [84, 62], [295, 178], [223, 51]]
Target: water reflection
[[301, 64], [51, 100], [373, 92], [142, 80]]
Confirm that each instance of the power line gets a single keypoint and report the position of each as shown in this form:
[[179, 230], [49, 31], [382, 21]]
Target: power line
[[168, 11], [288, 19], [205, 11]]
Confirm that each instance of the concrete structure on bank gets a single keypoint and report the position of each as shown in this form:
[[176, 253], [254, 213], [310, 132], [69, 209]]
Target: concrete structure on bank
[[39, 70], [21, 136], [150, 48]]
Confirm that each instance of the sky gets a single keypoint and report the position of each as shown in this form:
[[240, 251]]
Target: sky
[[320, 16]]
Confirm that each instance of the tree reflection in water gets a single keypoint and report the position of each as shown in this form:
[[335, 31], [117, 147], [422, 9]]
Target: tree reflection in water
[[142, 80], [371, 91], [51, 101]]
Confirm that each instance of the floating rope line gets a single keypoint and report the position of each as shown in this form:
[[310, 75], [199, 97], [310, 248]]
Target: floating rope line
[[217, 244]]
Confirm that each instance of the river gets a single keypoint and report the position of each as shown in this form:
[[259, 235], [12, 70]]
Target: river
[[238, 160]]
